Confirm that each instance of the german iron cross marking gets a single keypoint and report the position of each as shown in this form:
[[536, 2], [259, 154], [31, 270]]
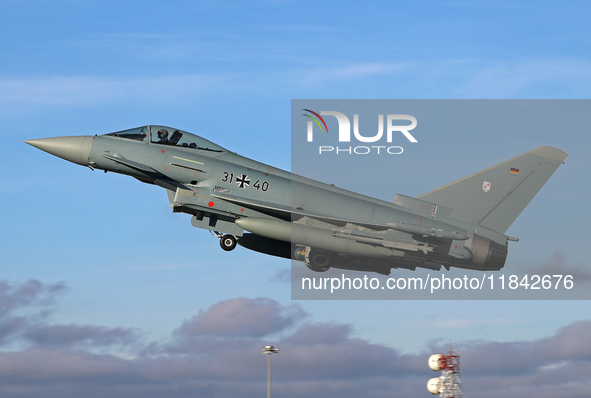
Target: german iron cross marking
[[243, 181]]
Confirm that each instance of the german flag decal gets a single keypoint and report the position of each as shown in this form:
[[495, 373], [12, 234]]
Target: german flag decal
[[514, 171]]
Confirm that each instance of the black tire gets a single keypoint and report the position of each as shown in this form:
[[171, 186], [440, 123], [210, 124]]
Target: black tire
[[316, 269], [318, 261], [228, 242]]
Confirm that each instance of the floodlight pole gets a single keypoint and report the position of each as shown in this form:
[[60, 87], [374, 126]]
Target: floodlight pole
[[269, 349], [269, 375]]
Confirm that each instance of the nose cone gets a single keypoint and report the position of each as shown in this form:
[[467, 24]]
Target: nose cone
[[75, 149]]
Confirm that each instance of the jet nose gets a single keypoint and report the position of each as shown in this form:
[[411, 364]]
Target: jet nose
[[75, 149]]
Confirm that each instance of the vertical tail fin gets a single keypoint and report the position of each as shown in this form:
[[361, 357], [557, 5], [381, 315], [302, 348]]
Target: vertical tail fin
[[495, 197]]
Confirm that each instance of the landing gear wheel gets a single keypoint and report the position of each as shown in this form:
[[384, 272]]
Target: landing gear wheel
[[316, 268], [317, 261], [228, 242]]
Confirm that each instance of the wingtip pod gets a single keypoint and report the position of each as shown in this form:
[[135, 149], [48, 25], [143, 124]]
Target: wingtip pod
[[550, 153]]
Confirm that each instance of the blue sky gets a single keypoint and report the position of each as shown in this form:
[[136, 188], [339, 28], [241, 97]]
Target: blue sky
[[86, 274]]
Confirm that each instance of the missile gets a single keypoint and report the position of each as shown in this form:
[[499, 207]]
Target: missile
[[427, 230], [306, 235]]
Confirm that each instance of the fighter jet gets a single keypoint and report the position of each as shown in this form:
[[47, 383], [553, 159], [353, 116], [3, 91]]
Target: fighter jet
[[272, 211]]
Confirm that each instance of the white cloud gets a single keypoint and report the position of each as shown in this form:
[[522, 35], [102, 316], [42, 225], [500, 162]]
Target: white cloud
[[458, 323], [217, 353], [83, 91], [462, 79], [527, 78]]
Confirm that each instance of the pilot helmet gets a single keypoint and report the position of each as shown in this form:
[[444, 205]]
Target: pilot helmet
[[162, 134]]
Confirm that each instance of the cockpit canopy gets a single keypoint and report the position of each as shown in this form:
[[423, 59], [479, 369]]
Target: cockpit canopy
[[162, 135]]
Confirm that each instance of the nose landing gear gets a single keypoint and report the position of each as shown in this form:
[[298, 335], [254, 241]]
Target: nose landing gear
[[228, 242]]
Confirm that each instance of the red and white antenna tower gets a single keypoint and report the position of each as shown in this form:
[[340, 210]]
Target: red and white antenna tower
[[448, 385]]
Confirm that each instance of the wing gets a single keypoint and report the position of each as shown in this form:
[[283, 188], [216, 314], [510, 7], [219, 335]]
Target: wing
[[286, 213]]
